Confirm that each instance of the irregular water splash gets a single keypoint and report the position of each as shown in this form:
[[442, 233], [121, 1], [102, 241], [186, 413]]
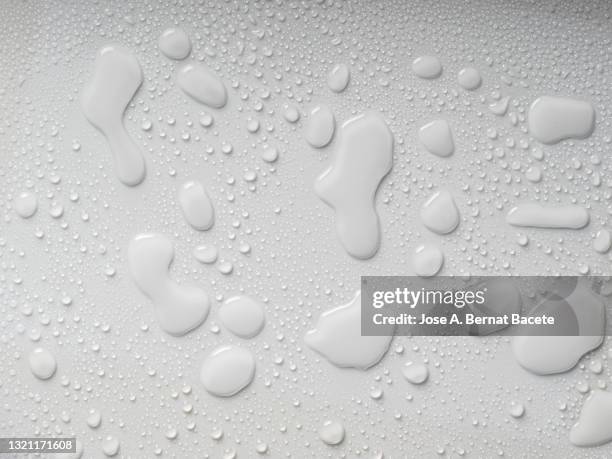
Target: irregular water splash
[[117, 77], [363, 158], [594, 426], [552, 119], [500, 107], [538, 216], [179, 308], [580, 320], [337, 337]]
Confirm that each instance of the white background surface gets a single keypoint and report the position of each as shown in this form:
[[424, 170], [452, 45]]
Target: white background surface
[[111, 354]]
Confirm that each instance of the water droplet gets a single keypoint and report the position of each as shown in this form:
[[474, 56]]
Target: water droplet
[[500, 107], [94, 419], [534, 174], [292, 114], [338, 78], [227, 370], [179, 308], [206, 254], [427, 260], [196, 205], [536, 215], [552, 119], [469, 78], [202, 85], [270, 155], [332, 432], [42, 363], [117, 77], [517, 410], [363, 158], [110, 446], [320, 127], [602, 241], [175, 43], [580, 313], [427, 67], [415, 373], [440, 213], [594, 426], [437, 138], [243, 316], [337, 336], [25, 204]]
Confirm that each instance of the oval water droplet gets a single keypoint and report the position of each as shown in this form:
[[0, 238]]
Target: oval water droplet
[[243, 316], [227, 370], [175, 43], [202, 85], [42, 363], [196, 205], [320, 127]]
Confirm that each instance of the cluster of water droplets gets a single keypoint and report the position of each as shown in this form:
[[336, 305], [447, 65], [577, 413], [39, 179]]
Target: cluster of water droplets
[[193, 190]]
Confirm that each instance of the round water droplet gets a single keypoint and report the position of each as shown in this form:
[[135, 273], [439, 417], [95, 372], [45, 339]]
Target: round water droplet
[[332, 432], [175, 43], [270, 155], [415, 373], [517, 410], [94, 419], [26, 204], [227, 370], [469, 78], [110, 447], [42, 363], [292, 114], [243, 316]]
